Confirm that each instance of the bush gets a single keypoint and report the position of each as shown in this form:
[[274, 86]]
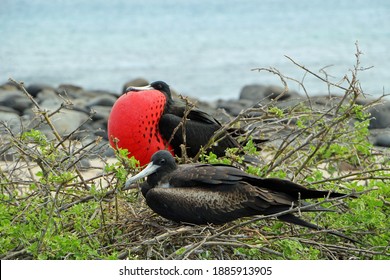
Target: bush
[[51, 209]]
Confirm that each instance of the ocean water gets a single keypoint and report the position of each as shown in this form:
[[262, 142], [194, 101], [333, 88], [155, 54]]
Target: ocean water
[[204, 49]]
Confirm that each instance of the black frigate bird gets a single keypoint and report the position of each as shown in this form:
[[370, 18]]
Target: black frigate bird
[[215, 193], [200, 127]]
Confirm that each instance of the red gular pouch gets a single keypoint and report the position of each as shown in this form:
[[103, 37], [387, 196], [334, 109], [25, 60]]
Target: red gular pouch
[[133, 124]]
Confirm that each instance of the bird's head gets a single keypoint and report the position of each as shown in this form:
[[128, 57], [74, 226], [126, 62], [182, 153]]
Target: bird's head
[[161, 86], [161, 164], [158, 85]]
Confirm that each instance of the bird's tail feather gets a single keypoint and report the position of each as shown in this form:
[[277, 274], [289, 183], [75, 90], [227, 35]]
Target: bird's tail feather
[[293, 189], [290, 218]]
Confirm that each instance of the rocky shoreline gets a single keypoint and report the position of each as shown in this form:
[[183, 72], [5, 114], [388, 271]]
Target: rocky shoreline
[[89, 109]]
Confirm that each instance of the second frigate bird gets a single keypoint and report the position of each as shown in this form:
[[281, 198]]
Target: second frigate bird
[[214, 193]]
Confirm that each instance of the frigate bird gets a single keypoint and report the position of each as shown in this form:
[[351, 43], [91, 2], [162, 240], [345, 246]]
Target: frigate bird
[[215, 193], [147, 119]]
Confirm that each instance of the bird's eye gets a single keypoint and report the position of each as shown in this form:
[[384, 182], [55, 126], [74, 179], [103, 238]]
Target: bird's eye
[[162, 161]]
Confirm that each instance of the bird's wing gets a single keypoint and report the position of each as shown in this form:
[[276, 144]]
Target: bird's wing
[[224, 178], [200, 116], [194, 114], [273, 190], [204, 176], [201, 206]]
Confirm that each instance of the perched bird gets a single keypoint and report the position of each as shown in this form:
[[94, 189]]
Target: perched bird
[[144, 119], [215, 193]]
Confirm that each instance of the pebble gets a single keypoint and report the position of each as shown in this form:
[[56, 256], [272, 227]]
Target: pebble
[[380, 116]]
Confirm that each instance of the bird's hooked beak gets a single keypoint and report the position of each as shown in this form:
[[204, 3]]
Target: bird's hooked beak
[[149, 169], [148, 87]]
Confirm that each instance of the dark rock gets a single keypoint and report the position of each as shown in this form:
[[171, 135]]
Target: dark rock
[[364, 101], [260, 93], [109, 153], [99, 125], [380, 115], [90, 94], [69, 87], [9, 86], [234, 107], [325, 101], [382, 139], [65, 122], [51, 101], [34, 89], [101, 112], [84, 163], [21, 104], [48, 94], [69, 91], [278, 92], [316, 103], [253, 92], [100, 129], [80, 104], [103, 100], [82, 109], [8, 117], [8, 156], [139, 82], [101, 133], [15, 100], [8, 110], [51, 104], [292, 102], [10, 120], [222, 116], [4, 94]]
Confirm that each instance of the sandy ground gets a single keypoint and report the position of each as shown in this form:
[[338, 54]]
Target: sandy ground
[[25, 173]]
